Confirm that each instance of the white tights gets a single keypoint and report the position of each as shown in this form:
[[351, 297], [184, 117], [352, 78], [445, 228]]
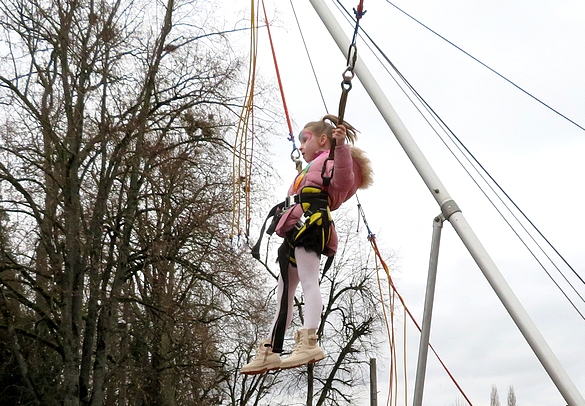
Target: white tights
[[307, 272]]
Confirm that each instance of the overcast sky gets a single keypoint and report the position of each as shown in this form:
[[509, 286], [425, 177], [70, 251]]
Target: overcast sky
[[533, 153]]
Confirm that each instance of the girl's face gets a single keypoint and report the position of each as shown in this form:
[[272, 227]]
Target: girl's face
[[310, 144]]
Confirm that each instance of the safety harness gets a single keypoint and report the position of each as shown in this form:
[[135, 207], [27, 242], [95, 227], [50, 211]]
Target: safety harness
[[312, 231]]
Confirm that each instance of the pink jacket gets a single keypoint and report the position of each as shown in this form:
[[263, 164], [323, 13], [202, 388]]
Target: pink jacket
[[352, 171]]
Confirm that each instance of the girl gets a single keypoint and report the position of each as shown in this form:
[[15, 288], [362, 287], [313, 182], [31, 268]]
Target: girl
[[308, 232]]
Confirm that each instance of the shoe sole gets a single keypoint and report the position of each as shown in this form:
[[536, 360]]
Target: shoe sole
[[312, 361], [258, 372]]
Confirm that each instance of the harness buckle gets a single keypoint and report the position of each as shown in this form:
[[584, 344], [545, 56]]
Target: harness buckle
[[300, 223], [290, 201]]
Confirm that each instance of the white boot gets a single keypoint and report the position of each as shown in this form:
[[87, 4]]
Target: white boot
[[265, 360], [306, 350]]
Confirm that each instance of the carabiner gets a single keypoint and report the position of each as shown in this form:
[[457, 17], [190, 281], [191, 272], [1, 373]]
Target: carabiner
[[295, 156]]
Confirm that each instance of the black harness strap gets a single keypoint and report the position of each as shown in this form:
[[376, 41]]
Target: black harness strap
[[275, 212], [284, 257]]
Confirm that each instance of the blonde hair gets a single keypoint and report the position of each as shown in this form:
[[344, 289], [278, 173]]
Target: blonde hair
[[326, 126]]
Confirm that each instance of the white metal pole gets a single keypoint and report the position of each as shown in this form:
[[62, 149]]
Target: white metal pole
[[425, 333], [452, 213]]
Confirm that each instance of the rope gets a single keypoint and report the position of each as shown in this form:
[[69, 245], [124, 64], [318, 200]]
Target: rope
[[486, 66], [295, 154], [389, 332], [244, 146], [347, 75], [309, 57], [373, 243]]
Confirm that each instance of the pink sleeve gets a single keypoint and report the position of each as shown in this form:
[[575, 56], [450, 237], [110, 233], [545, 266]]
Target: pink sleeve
[[343, 182]]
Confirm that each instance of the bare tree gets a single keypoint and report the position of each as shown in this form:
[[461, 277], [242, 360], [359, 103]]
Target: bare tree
[[511, 396], [117, 274], [460, 402], [494, 397]]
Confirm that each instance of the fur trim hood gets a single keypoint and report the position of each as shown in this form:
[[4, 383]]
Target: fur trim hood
[[365, 165]]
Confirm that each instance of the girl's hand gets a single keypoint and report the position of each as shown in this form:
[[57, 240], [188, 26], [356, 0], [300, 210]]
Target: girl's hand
[[339, 135]]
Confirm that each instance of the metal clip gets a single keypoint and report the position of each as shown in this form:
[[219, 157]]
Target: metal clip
[[295, 156], [299, 224], [290, 201]]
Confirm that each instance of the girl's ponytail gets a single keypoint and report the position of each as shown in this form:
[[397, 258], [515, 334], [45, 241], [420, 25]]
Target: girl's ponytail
[[332, 121], [326, 126]]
